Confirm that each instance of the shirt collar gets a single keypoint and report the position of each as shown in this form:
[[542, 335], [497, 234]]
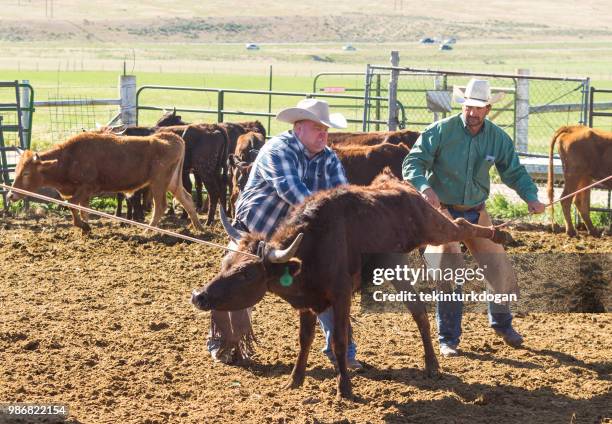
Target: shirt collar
[[302, 148], [465, 128]]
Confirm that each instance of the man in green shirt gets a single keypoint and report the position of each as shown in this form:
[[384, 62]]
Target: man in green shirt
[[449, 165]]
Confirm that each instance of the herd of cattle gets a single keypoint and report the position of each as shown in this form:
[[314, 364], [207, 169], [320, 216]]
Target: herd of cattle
[[138, 162], [150, 161], [146, 162]]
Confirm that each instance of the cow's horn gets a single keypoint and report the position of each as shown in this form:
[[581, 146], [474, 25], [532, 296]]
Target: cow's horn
[[229, 229], [282, 256]]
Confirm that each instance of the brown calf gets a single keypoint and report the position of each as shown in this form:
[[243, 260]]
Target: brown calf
[[372, 138], [586, 155], [93, 163], [363, 163]]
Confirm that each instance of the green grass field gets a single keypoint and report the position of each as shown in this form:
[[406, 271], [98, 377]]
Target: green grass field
[[60, 70]]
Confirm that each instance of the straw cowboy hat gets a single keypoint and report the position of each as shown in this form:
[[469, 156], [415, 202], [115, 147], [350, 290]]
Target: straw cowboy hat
[[312, 110], [477, 93]]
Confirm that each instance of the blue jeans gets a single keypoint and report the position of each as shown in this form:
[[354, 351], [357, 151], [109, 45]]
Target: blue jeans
[[326, 320], [448, 318], [448, 314]]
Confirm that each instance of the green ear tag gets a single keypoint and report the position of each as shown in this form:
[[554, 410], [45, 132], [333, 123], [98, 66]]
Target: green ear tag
[[286, 279]]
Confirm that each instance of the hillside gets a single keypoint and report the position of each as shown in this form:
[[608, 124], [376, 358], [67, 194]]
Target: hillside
[[284, 21]]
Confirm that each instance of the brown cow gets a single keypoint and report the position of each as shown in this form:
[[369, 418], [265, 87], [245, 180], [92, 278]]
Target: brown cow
[[234, 131], [586, 155], [248, 146], [363, 163], [320, 244], [239, 163], [137, 203], [205, 155], [92, 163], [372, 138], [240, 176]]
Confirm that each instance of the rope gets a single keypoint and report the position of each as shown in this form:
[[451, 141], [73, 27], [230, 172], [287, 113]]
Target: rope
[[121, 219], [558, 200]]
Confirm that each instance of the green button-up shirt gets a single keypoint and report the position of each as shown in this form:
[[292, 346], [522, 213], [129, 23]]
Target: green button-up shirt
[[455, 164]]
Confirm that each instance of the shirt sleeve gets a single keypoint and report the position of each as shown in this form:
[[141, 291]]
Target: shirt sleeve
[[279, 168], [420, 159], [335, 171], [513, 174]]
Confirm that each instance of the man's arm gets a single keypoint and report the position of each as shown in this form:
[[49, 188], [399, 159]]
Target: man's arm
[[515, 176], [419, 160], [279, 168]]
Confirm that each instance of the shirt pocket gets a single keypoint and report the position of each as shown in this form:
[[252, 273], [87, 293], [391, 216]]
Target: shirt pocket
[[485, 166]]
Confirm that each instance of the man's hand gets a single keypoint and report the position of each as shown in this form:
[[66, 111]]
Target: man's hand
[[431, 197], [535, 206]]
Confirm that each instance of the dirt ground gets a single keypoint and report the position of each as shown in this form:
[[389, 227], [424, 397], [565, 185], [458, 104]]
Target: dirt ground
[[103, 324]]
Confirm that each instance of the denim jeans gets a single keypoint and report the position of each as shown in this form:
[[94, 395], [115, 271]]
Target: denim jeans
[[326, 320], [449, 314]]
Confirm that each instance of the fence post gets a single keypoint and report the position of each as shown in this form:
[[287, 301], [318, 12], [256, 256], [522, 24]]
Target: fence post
[[26, 114], [438, 86], [127, 94], [392, 119], [521, 114], [366, 99], [378, 101], [220, 105], [584, 118]]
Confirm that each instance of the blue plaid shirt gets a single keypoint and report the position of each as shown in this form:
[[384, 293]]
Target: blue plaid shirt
[[282, 176]]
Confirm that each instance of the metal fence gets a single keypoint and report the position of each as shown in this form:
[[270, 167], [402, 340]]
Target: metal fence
[[219, 105], [532, 108], [593, 113], [16, 107]]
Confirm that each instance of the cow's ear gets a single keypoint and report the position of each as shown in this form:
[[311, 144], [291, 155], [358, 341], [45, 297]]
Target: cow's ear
[[233, 160], [46, 165], [295, 266]]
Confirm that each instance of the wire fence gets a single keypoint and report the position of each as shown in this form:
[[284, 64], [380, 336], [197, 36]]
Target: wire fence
[[531, 109], [68, 110]]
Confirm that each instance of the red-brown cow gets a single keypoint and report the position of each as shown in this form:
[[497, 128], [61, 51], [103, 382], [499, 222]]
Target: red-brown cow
[[586, 155], [320, 244], [240, 176], [372, 138], [140, 200], [239, 163], [205, 155], [248, 146], [363, 163], [93, 163], [234, 131]]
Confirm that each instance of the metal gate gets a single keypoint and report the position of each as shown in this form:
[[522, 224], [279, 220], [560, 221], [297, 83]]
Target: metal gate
[[532, 109], [16, 108], [592, 114]]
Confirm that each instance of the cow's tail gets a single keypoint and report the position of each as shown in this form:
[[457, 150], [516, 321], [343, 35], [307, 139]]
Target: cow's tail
[[550, 183]]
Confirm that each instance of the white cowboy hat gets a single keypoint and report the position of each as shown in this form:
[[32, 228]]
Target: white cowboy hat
[[312, 110], [477, 93]]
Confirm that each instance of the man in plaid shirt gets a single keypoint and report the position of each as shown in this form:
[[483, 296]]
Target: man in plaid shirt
[[288, 169]]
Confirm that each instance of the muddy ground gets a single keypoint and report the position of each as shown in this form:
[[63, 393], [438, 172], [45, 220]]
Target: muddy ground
[[103, 324]]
